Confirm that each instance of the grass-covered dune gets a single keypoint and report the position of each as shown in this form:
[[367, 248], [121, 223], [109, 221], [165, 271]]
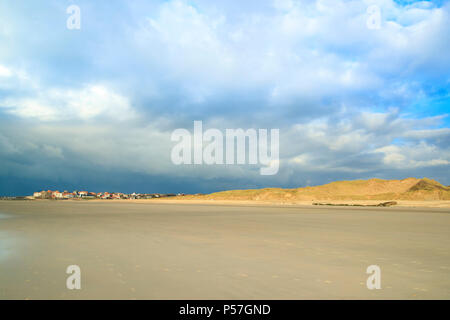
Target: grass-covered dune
[[372, 189]]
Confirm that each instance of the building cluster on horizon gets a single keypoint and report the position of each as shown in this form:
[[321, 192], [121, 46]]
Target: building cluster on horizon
[[49, 194]]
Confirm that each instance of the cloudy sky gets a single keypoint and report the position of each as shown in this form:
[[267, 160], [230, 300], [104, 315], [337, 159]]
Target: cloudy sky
[[94, 108]]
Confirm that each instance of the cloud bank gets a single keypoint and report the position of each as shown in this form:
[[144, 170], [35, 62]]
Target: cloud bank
[[94, 108]]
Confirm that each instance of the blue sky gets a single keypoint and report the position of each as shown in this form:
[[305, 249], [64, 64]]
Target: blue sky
[[94, 108]]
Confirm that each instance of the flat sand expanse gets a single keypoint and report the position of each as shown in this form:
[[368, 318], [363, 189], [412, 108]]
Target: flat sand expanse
[[187, 200], [156, 250]]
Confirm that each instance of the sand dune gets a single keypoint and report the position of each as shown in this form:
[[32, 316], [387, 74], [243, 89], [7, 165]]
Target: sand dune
[[372, 189]]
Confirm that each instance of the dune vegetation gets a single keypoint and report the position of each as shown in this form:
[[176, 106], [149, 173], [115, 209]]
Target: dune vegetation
[[372, 189]]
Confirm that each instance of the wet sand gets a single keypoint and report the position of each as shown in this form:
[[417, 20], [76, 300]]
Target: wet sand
[[195, 200], [156, 250]]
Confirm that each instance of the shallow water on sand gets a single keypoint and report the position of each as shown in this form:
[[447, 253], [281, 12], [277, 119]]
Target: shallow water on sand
[[6, 240], [5, 246]]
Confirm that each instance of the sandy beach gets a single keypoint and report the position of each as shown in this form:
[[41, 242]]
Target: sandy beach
[[162, 250], [298, 203]]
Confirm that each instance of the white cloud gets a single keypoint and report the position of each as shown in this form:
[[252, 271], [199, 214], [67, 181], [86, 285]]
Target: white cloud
[[5, 72], [426, 134], [365, 142], [302, 49], [56, 104], [414, 156]]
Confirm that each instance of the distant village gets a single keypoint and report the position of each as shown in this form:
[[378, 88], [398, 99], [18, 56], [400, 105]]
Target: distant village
[[57, 195]]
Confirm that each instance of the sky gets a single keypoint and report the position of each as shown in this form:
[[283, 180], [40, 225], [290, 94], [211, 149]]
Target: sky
[[94, 108]]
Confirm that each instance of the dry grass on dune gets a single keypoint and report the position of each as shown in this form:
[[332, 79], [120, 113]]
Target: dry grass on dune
[[372, 189]]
